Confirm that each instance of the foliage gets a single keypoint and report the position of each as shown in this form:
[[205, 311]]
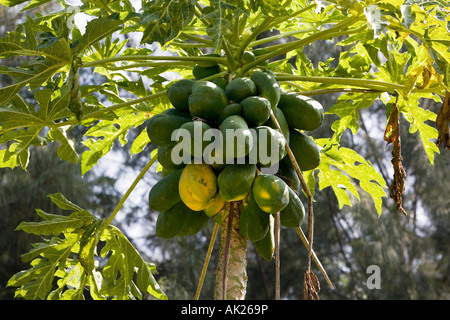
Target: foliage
[[398, 56]]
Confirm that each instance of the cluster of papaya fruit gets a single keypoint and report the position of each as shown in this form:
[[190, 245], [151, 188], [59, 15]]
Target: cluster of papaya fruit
[[190, 193]]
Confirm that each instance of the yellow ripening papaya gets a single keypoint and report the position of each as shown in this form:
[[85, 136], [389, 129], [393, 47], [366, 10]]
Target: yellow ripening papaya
[[197, 185]]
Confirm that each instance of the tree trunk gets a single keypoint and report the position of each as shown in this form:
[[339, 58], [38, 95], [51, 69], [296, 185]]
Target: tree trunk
[[231, 271]]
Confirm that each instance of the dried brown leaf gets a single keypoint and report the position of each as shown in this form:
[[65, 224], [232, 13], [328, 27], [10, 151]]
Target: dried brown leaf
[[392, 135], [311, 286], [442, 120]]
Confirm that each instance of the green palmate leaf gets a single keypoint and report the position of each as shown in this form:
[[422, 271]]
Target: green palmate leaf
[[123, 266], [222, 17], [97, 30], [347, 108], [418, 117], [36, 282], [163, 20], [103, 135], [56, 224], [66, 151], [34, 72], [339, 169], [18, 151], [140, 143], [63, 266]]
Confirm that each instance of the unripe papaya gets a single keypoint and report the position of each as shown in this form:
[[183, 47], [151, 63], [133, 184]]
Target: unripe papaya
[[271, 193], [179, 92], [195, 131], [269, 146], [235, 181], [289, 175], [292, 215], [281, 119], [256, 110], [301, 112], [197, 185], [267, 86], [220, 82], [248, 57], [236, 137], [170, 222], [266, 246], [253, 222], [240, 88], [207, 100], [161, 126], [229, 110], [164, 194], [304, 149], [203, 72], [194, 222], [165, 158]]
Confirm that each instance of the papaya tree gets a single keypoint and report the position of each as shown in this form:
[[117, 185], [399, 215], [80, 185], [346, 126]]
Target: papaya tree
[[203, 67]]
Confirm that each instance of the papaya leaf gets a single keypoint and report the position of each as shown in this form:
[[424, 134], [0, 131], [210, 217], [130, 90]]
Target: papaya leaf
[[33, 72], [417, 117], [124, 264], [222, 18], [97, 30], [66, 150], [103, 134], [163, 20], [339, 168], [63, 266], [347, 109]]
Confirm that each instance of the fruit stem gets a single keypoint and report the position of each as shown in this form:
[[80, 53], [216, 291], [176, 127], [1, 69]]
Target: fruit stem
[[131, 188], [277, 255], [207, 258]]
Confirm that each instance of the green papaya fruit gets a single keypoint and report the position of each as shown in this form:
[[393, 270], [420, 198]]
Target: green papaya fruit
[[195, 130], [203, 72], [289, 176], [266, 246], [247, 57], [301, 112], [165, 158], [281, 119], [237, 138], [207, 100], [240, 88], [235, 181], [220, 82], [269, 146], [292, 215], [195, 221], [164, 194], [170, 222], [166, 171], [253, 222], [161, 126], [271, 193], [179, 92], [229, 110], [304, 149], [267, 86], [255, 110]]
